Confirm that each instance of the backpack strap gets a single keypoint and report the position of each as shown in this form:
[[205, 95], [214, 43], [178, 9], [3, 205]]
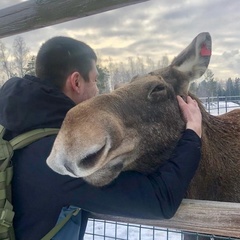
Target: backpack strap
[[27, 138], [60, 225], [6, 172], [21, 141], [6, 150]]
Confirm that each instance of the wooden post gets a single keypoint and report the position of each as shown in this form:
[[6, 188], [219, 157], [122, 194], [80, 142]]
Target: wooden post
[[206, 217], [36, 14]]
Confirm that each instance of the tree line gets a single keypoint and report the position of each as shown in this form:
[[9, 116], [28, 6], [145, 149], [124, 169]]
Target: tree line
[[209, 87], [18, 61]]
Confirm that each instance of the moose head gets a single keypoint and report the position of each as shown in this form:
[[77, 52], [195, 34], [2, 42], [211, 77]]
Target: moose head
[[135, 127]]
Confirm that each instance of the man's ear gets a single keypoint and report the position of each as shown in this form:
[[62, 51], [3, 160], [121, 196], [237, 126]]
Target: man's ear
[[75, 80]]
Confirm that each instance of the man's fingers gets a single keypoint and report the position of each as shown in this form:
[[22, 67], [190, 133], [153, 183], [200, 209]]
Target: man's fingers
[[181, 102], [190, 100]]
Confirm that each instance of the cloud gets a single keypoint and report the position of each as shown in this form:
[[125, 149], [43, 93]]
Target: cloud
[[230, 54], [154, 29]]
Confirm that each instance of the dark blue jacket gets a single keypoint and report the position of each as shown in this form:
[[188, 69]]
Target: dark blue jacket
[[39, 193]]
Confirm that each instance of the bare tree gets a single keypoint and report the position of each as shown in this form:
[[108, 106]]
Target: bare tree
[[5, 62], [150, 64], [121, 72], [132, 66], [1, 81], [21, 55], [111, 69], [140, 66], [164, 62]]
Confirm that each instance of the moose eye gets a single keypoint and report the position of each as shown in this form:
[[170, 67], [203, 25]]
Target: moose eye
[[156, 92], [158, 88]]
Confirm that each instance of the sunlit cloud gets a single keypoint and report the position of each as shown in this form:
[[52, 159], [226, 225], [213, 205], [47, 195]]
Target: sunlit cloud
[[154, 29]]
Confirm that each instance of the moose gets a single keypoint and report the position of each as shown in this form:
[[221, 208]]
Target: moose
[[137, 126]]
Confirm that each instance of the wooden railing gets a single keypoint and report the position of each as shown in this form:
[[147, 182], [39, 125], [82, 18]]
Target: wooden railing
[[206, 217], [30, 15], [218, 218]]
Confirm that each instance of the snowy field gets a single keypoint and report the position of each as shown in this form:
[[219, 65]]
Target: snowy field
[[107, 230]]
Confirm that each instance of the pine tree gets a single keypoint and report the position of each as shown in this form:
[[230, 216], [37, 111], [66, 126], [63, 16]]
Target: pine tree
[[30, 69], [103, 84], [229, 87]]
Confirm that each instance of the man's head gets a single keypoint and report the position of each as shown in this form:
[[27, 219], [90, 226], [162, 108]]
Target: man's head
[[70, 65]]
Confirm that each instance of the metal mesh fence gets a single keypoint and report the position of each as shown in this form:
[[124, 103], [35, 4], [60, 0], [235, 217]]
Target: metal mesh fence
[[221, 104], [109, 230]]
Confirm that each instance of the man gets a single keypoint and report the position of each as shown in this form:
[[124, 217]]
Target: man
[[67, 75]]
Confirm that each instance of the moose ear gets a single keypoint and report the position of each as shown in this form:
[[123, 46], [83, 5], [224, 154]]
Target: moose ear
[[193, 61]]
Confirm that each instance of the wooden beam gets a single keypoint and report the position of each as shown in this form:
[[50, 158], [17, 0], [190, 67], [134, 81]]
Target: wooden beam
[[206, 217], [36, 14]]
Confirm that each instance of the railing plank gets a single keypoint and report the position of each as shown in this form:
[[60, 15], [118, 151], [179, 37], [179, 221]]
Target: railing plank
[[206, 217], [36, 14]]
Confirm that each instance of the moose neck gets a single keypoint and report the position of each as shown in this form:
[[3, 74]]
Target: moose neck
[[216, 140], [218, 157]]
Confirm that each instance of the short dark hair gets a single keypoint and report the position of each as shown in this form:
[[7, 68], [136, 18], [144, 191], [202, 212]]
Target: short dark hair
[[60, 56]]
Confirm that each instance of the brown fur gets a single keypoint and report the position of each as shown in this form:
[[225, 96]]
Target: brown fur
[[218, 175]]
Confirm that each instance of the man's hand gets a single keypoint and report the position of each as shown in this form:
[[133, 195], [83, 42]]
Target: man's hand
[[191, 114]]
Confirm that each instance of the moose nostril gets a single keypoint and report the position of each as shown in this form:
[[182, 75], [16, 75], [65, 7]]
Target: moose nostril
[[69, 169], [90, 160]]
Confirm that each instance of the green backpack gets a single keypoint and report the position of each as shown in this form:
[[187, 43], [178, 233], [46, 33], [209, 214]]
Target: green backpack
[[6, 172]]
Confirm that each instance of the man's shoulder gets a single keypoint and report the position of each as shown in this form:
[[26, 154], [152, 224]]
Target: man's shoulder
[[39, 149]]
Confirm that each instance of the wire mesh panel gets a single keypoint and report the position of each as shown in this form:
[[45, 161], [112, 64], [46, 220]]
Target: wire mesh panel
[[109, 230], [221, 104]]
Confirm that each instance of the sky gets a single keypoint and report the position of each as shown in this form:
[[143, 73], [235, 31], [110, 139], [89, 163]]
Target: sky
[[153, 29]]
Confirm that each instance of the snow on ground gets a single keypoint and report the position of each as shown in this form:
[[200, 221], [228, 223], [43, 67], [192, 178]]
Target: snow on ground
[[107, 230], [218, 108]]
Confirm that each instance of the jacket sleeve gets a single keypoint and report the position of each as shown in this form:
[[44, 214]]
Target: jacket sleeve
[[172, 179], [154, 196]]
